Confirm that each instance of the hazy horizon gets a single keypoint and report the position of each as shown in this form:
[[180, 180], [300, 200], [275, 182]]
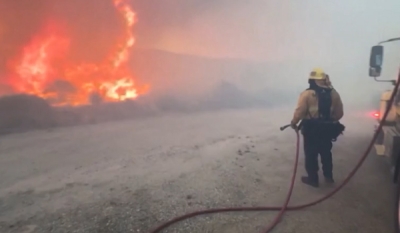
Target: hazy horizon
[[297, 36]]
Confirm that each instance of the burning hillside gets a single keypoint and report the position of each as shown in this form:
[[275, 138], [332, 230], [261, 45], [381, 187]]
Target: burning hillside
[[44, 68]]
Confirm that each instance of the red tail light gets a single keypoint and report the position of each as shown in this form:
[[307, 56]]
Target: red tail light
[[376, 114]]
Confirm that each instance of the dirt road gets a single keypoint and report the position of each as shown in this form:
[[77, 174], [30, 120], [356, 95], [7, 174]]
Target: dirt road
[[129, 176]]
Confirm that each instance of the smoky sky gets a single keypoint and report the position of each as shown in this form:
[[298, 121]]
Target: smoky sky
[[265, 30], [336, 35]]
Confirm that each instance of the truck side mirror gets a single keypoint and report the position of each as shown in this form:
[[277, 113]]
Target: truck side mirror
[[375, 61]]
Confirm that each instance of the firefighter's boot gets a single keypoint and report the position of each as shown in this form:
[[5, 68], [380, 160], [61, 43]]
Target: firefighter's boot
[[311, 181], [329, 180]]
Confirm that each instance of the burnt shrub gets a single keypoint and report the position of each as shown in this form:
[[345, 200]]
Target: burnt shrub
[[25, 112]]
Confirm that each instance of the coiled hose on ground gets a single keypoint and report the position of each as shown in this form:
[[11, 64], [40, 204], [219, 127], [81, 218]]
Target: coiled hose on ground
[[285, 206]]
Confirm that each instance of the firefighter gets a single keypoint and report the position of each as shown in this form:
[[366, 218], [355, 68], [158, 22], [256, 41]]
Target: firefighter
[[319, 109]]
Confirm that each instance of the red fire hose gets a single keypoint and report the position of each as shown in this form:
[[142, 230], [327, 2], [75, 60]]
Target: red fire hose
[[285, 206]]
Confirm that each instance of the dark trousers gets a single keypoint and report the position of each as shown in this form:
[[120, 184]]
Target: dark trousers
[[314, 146]]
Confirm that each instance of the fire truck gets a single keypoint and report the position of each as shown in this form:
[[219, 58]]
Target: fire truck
[[388, 141]]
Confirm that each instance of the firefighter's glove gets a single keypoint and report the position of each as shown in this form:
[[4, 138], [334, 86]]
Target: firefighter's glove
[[294, 126]]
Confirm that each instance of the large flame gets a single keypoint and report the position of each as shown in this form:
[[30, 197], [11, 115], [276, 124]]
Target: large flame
[[42, 69]]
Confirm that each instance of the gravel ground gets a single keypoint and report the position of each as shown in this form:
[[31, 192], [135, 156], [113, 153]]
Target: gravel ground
[[130, 176]]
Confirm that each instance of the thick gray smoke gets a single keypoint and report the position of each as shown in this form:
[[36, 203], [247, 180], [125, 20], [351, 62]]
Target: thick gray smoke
[[198, 54], [287, 38], [256, 45]]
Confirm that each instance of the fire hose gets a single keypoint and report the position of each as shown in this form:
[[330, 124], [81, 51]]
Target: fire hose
[[286, 206]]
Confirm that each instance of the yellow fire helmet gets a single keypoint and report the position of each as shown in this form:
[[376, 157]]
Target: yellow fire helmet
[[317, 74]]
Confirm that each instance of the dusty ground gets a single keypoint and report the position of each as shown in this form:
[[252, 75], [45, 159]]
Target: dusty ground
[[130, 176]]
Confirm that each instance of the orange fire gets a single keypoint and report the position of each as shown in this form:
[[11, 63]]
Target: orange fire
[[42, 69]]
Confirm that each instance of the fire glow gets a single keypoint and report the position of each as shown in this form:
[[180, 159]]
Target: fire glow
[[41, 69]]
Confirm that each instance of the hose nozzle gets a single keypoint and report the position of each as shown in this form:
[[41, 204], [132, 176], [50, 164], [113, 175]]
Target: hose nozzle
[[284, 127]]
